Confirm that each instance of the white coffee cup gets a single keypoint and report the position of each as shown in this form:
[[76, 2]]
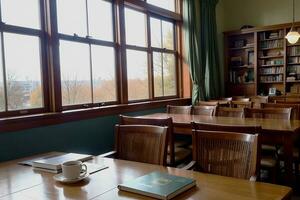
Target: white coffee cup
[[73, 169]]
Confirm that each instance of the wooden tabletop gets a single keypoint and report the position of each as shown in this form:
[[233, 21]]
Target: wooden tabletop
[[266, 124], [22, 183]]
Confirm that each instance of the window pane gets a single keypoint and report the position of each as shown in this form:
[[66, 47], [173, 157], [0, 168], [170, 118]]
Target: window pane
[[168, 35], [71, 17], [169, 74], [166, 4], [21, 13], [157, 72], [137, 72], [23, 71], [100, 20], [104, 81], [164, 74], [135, 26], [2, 93], [75, 73], [156, 39]]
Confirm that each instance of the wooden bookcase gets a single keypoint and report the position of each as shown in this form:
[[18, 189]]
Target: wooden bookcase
[[258, 59]]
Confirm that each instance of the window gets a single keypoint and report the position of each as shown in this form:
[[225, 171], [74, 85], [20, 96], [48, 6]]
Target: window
[[87, 52], [137, 57], [166, 4], [21, 83], [164, 57]]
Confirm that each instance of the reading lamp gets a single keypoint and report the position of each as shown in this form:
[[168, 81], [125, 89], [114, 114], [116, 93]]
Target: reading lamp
[[293, 36]]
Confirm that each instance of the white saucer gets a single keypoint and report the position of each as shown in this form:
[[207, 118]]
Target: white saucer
[[61, 178]]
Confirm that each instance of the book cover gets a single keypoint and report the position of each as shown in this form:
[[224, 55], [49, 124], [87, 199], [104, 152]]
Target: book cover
[[158, 185], [54, 163]]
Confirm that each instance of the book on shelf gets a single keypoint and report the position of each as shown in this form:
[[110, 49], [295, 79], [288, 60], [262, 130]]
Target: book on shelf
[[293, 51], [158, 185], [271, 44], [272, 78], [271, 35], [293, 69], [271, 70], [53, 164]]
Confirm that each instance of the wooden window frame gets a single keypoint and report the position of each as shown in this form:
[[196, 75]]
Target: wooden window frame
[[50, 37], [41, 35]]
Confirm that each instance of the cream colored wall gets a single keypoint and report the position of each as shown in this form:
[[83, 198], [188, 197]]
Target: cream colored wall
[[257, 12]]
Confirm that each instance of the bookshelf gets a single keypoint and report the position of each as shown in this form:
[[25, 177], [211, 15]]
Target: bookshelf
[[257, 59], [271, 62], [241, 62]]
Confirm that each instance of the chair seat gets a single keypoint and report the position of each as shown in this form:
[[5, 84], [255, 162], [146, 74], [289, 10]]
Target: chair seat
[[181, 154], [269, 162]]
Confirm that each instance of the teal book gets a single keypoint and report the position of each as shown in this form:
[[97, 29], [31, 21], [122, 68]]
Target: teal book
[[158, 185]]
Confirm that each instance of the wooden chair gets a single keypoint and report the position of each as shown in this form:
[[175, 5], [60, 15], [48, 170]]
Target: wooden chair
[[295, 112], [167, 122], [226, 98], [268, 113], [240, 98], [295, 115], [204, 110], [141, 143], [258, 101], [269, 150], [241, 104], [225, 153], [180, 153], [230, 112], [207, 103], [179, 109]]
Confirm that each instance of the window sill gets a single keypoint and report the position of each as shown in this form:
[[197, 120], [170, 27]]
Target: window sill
[[44, 119]]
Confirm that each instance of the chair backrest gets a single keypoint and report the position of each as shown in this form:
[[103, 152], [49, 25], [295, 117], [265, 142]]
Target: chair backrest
[[295, 112], [241, 104], [230, 112], [179, 109], [207, 103], [141, 143], [204, 110], [240, 98], [226, 98], [258, 101], [227, 128], [268, 113], [165, 122], [225, 153]]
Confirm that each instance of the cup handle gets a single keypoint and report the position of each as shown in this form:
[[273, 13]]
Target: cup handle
[[84, 169]]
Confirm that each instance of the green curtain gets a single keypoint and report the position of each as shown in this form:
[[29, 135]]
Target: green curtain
[[192, 32], [199, 19]]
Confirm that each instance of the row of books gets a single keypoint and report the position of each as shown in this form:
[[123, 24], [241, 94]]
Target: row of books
[[276, 78], [273, 53], [271, 35], [241, 77], [271, 44], [293, 60], [295, 89], [294, 51], [271, 70], [272, 62], [293, 69]]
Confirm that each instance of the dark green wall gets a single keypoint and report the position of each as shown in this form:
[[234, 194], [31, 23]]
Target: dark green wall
[[93, 136]]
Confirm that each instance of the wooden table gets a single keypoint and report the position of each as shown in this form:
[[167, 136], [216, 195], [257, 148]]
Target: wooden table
[[22, 183], [274, 131]]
